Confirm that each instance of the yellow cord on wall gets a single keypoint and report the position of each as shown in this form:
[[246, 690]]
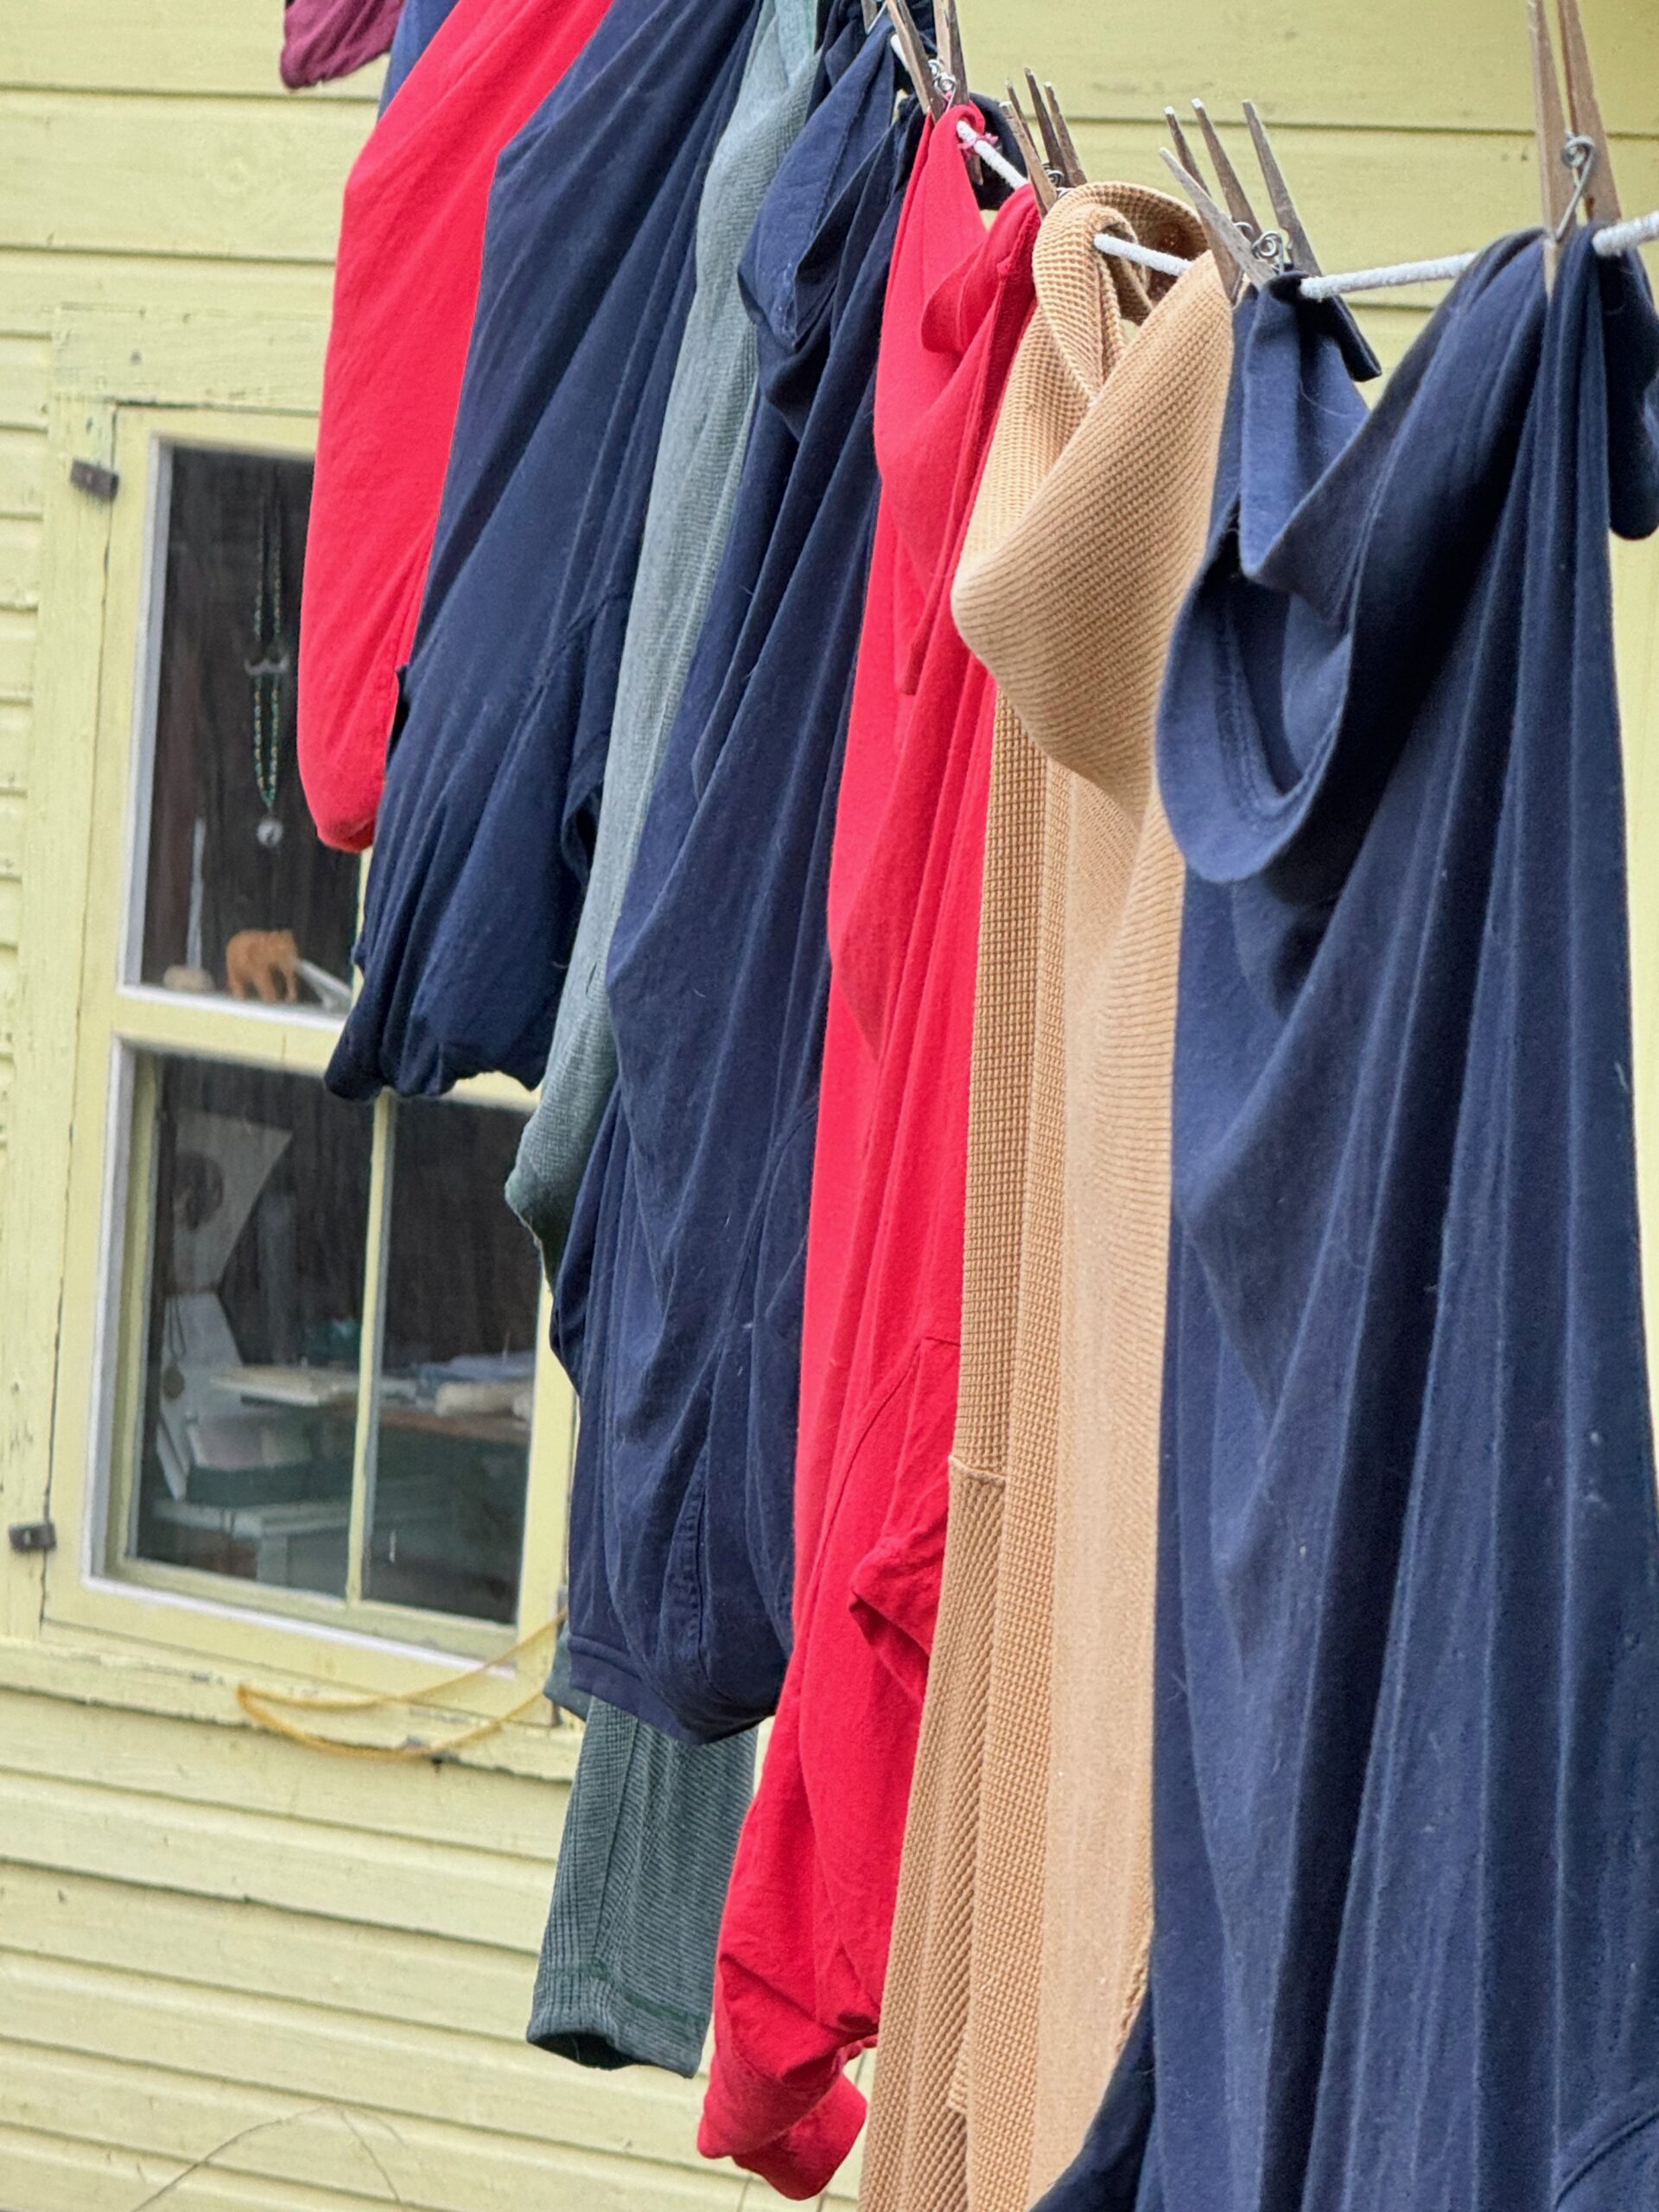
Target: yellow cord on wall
[[261, 1707]]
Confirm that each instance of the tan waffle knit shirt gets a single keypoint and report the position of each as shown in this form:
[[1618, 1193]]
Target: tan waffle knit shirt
[[1019, 1952]]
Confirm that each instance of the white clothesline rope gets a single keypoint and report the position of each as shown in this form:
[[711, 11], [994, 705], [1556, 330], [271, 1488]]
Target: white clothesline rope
[[1617, 238], [1382, 280], [1145, 256], [991, 154]]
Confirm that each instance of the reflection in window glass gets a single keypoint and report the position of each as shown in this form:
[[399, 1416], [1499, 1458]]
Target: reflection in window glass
[[240, 896], [453, 1435], [257, 1231]]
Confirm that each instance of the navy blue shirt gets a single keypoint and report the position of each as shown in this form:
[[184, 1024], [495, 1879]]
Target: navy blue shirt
[[1406, 1765], [494, 780], [679, 1302], [417, 25]]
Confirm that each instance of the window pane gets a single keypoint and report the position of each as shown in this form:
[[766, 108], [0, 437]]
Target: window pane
[[258, 1220], [238, 890], [452, 1441]]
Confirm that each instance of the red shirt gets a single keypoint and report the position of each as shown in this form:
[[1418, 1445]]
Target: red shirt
[[804, 1947], [412, 246]]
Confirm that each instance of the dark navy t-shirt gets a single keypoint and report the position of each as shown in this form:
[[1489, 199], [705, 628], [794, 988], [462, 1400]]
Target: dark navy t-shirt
[[417, 25], [1407, 1760], [679, 1302], [493, 784]]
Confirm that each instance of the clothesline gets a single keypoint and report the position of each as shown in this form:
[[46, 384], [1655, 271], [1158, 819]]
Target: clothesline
[[1617, 238]]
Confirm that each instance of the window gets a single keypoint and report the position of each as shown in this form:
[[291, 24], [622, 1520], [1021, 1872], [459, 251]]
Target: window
[[239, 895], [321, 1392]]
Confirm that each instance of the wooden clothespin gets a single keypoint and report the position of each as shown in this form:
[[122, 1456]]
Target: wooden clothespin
[[1600, 194], [951, 57], [1061, 155], [1187, 158], [1360, 355], [954, 60], [1226, 267], [1075, 171], [1231, 248], [1284, 207], [1042, 183], [872, 12], [1575, 168], [1232, 190], [917, 62]]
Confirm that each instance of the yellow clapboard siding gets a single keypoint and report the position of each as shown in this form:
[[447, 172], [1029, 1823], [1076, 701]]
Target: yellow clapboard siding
[[58, 2173], [60, 2176], [14, 727], [257, 1950], [9, 907], [212, 178], [98, 1670], [20, 562], [382, 2064], [1635, 578], [169, 2120], [25, 369], [169, 46], [240, 1770], [1414, 65], [34, 287], [380, 1881], [16, 654], [23, 465]]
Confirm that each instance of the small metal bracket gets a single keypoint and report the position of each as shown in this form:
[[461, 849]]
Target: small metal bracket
[[93, 478], [33, 1536]]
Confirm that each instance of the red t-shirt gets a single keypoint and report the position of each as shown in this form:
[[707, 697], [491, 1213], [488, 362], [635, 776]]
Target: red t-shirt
[[412, 246], [804, 1948]]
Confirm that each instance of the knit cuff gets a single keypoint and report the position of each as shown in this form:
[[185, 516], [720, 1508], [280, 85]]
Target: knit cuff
[[585, 2016], [805, 2159]]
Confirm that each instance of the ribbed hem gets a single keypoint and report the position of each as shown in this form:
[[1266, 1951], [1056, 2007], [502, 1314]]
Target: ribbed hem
[[588, 2018], [805, 2159]]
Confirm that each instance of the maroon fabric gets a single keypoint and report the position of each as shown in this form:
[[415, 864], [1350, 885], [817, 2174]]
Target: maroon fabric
[[322, 39]]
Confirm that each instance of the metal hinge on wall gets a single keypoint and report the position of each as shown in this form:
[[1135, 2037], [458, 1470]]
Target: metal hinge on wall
[[93, 478], [33, 1536]]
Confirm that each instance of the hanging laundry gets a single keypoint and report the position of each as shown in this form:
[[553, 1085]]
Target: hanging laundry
[[1407, 1861], [802, 1950], [418, 26], [645, 1852], [325, 39], [628, 1966], [678, 1303], [1024, 1908], [406, 278], [486, 825], [699, 462]]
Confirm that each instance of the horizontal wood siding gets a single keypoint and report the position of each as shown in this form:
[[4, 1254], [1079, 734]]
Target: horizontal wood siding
[[210, 1938]]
